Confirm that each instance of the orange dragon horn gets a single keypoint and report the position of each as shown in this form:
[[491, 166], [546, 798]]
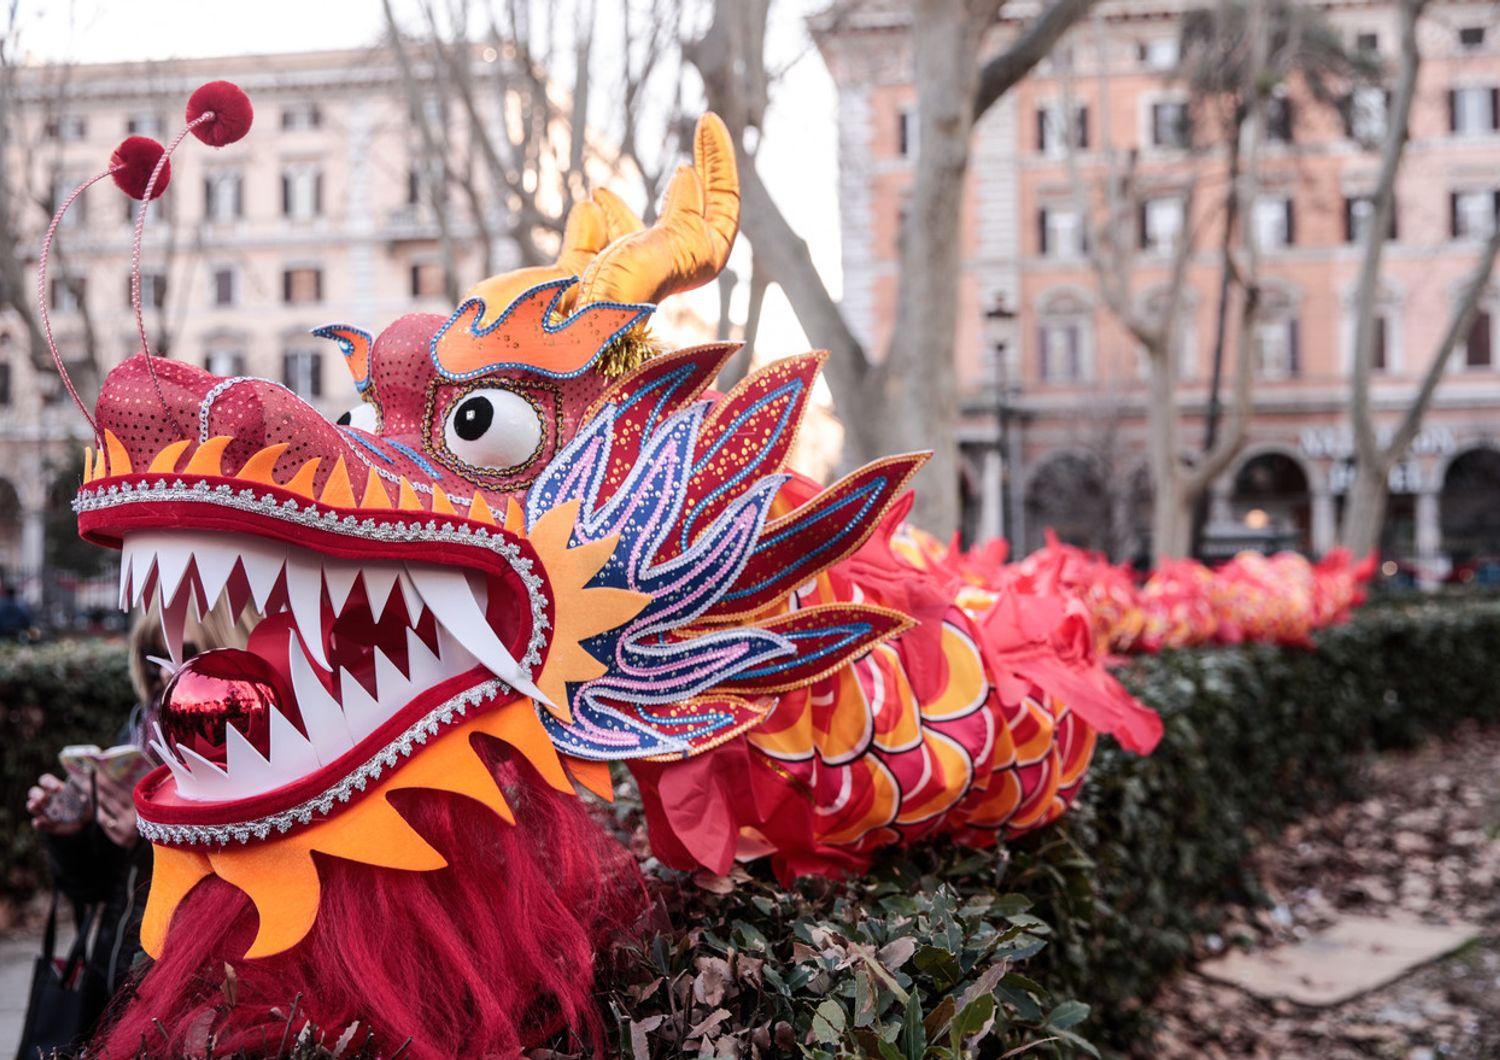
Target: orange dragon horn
[[592, 225], [689, 244]]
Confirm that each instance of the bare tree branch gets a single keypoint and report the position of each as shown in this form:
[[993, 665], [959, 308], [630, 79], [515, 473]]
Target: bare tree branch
[[1000, 74]]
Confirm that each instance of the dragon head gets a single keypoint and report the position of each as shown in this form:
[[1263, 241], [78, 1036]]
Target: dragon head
[[533, 531]]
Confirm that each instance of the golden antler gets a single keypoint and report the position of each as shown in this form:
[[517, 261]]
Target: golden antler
[[591, 226], [689, 244]]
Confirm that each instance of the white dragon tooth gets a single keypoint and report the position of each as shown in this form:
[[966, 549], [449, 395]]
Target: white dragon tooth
[[216, 562], [142, 562], [410, 597], [339, 576], [127, 553], [321, 713], [249, 773], [173, 557], [292, 756], [180, 771], [379, 580], [392, 689], [446, 592], [206, 781], [423, 667], [262, 561], [456, 658], [361, 712], [173, 616], [304, 586]]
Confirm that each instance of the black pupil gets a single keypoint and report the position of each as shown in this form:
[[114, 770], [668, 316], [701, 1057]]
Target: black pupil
[[346, 419], [474, 418]]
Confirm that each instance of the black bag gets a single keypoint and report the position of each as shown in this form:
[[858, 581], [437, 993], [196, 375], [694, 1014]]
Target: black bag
[[55, 1012]]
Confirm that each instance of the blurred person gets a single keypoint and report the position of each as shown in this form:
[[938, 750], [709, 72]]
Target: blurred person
[[95, 854], [15, 614]]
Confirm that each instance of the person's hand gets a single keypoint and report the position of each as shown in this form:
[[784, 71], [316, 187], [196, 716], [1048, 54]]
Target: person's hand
[[46, 789], [116, 811]]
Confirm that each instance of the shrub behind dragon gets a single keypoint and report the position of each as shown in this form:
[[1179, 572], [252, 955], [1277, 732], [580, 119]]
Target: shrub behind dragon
[[537, 546]]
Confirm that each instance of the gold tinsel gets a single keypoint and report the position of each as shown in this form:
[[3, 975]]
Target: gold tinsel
[[628, 352]]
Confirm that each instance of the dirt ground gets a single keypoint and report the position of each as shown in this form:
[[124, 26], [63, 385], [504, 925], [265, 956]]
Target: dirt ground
[[1426, 841]]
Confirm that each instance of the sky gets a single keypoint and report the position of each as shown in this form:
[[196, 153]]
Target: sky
[[797, 158]]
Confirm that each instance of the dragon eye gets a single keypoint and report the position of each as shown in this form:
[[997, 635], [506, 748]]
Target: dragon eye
[[361, 416], [493, 428]]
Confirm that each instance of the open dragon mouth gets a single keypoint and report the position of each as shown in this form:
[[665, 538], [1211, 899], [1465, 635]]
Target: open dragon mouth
[[339, 648]]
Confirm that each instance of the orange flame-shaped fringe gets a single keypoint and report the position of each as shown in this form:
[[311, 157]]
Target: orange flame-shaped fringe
[[524, 337]]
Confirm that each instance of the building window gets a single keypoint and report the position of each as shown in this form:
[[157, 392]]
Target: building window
[[1471, 214], [1358, 212], [1161, 224], [130, 208], [1365, 112], [1273, 219], [427, 280], [302, 372], [1159, 54], [1479, 349], [1471, 36], [153, 290], [1061, 233], [302, 193], [1062, 352], [302, 286], [1063, 341], [143, 123], [1472, 110], [1169, 124], [1276, 353], [1367, 43], [1051, 131], [1379, 357], [225, 362], [223, 197], [301, 116], [70, 128], [1279, 111], [906, 133], [225, 282], [5, 397], [68, 293]]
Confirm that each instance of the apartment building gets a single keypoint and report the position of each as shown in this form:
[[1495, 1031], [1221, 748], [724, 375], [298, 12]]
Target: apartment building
[[320, 216], [1053, 381]]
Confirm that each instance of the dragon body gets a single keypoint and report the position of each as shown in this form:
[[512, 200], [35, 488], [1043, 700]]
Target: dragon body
[[537, 540]]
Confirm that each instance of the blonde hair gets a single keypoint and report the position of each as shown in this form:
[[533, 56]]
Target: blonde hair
[[217, 629]]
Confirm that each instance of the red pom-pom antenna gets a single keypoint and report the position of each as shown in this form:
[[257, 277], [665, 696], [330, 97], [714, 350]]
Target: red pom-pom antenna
[[232, 113], [132, 163]]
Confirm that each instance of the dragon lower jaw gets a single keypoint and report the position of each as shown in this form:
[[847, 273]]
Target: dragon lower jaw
[[355, 644]]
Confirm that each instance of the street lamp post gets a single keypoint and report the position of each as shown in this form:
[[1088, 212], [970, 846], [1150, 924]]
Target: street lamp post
[[999, 335]]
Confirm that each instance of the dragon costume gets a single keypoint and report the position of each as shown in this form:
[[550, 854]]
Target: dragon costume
[[538, 546]]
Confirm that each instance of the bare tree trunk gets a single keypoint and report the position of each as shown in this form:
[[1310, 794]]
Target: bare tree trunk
[[919, 392], [909, 400]]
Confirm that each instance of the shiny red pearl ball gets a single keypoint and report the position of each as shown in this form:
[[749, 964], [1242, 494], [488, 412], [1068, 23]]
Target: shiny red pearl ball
[[217, 689]]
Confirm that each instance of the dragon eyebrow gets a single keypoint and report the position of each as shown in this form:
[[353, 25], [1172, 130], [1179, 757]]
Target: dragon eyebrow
[[415, 457]]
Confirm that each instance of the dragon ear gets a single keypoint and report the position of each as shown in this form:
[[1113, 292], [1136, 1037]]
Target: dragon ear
[[355, 345]]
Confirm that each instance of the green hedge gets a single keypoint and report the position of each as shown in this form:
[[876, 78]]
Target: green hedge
[[51, 695], [1069, 929]]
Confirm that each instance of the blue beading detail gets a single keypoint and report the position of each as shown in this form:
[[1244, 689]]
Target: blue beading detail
[[795, 387], [330, 331], [645, 667], [846, 635], [414, 456], [355, 436], [867, 496], [640, 310]]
